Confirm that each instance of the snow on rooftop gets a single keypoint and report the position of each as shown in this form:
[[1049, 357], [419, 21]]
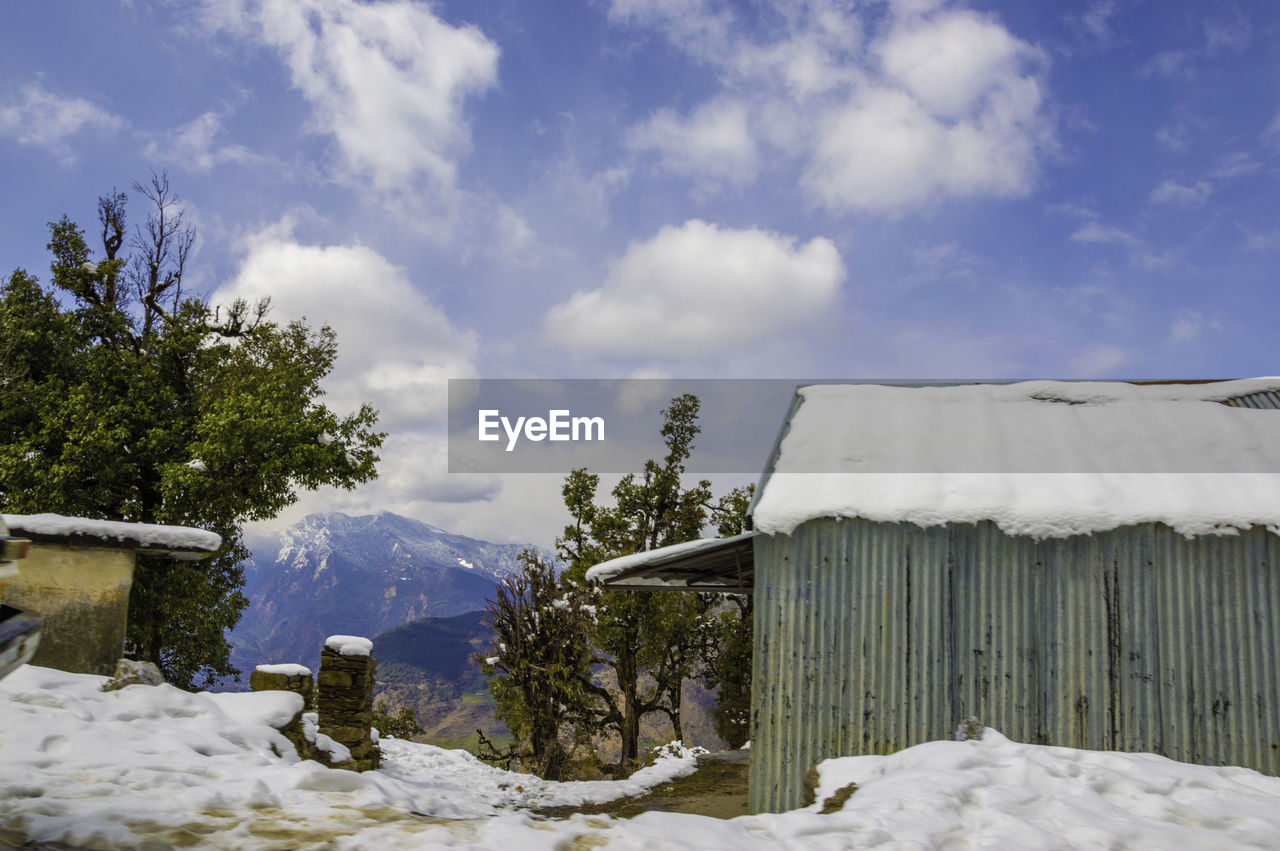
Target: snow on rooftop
[[608, 569], [154, 766], [1039, 458], [349, 645], [144, 535]]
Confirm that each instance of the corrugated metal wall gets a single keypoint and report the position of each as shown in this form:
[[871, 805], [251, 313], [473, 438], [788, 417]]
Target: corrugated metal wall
[[874, 637]]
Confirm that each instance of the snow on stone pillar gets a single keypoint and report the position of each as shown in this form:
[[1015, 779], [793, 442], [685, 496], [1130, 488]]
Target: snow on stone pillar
[[295, 678], [344, 697]]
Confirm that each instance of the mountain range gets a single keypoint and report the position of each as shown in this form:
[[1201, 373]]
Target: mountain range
[[418, 592], [335, 574]]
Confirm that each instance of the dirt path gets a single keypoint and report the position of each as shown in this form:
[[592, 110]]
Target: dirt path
[[718, 789]]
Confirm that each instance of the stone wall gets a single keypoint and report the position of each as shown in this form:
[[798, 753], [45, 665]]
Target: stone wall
[[294, 678], [345, 700], [297, 679]]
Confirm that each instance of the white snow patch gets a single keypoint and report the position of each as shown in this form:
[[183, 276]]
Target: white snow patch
[[287, 669], [152, 767], [466, 564], [1039, 458], [349, 645], [337, 751], [273, 708]]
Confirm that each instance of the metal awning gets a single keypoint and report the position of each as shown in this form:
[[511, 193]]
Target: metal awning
[[726, 565]]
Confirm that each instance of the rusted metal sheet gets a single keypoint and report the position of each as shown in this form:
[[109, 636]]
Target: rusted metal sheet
[[874, 637]]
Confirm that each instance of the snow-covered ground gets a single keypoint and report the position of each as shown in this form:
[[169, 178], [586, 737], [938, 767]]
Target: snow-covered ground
[[155, 767]]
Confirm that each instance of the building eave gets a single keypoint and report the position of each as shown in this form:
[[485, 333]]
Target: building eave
[[722, 565]]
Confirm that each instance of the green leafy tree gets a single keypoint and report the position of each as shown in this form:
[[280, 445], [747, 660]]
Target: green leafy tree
[[403, 724], [726, 656], [124, 398], [727, 636], [539, 664], [650, 641]]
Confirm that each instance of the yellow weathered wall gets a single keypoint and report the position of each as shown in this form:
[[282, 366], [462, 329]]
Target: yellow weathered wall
[[82, 596]]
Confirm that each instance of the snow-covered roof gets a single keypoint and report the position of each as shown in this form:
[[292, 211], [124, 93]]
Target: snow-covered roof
[[1039, 458], [174, 541], [707, 564]]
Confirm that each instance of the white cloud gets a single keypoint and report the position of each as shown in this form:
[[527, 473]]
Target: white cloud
[[1100, 234], [1236, 164], [42, 119], [1234, 35], [697, 289], [396, 350], [193, 144], [1260, 242], [387, 81], [1091, 231], [1096, 19], [820, 53], [950, 62], [957, 115], [713, 145], [884, 151], [1172, 136], [939, 103], [1100, 360], [692, 24], [1186, 327], [1172, 192], [947, 261], [1169, 63], [413, 480]]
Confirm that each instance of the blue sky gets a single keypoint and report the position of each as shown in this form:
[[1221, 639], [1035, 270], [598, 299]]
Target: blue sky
[[684, 188]]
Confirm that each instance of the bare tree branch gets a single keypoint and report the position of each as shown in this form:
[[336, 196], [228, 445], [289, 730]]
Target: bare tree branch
[[242, 319], [162, 245]]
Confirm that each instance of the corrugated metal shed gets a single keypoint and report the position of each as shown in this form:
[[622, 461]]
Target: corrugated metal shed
[[871, 637], [877, 634]]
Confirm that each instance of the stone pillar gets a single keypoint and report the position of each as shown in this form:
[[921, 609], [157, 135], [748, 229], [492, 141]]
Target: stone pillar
[[294, 678], [344, 697]]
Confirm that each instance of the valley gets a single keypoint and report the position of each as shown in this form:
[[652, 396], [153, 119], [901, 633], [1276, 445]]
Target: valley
[[419, 592]]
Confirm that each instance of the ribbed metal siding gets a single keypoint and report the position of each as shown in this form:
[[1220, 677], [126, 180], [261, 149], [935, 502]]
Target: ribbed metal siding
[[874, 637], [1266, 399]]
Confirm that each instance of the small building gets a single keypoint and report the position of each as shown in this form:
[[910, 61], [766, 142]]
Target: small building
[[77, 577], [1085, 564]]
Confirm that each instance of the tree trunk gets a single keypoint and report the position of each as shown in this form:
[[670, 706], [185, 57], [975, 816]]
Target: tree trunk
[[629, 685], [547, 753], [675, 696], [630, 732]]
